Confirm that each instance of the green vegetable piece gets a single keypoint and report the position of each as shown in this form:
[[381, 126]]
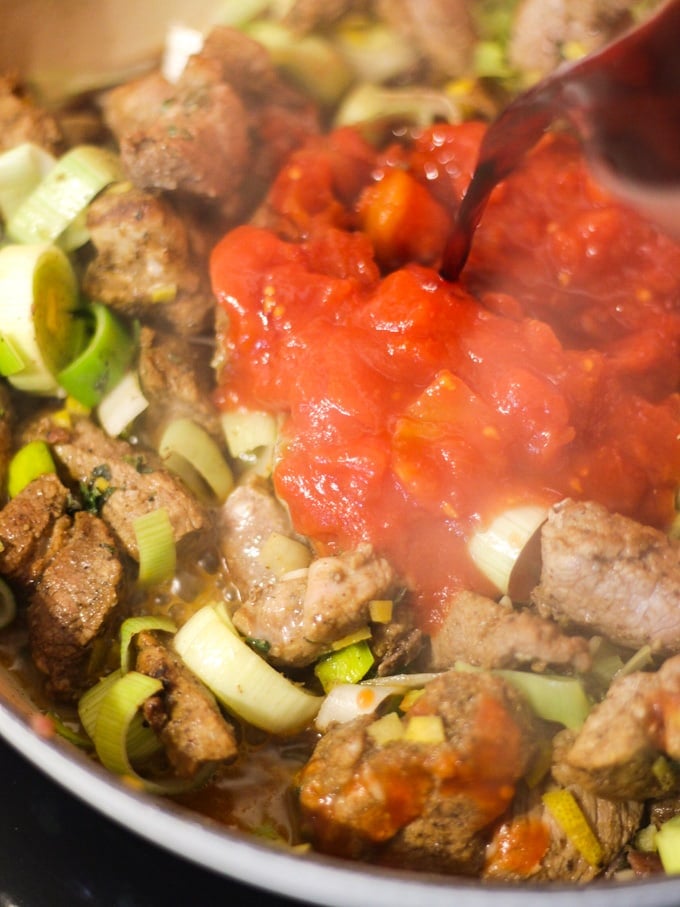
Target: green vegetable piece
[[32, 460], [668, 845], [103, 362], [348, 665]]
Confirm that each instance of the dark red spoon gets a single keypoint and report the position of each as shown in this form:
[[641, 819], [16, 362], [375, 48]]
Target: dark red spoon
[[623, 101]]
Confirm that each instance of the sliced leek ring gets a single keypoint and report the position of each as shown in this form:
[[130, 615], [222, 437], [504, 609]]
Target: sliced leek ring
[[103, 362], [496, 550], [183, 438], [240, 679], [61, 197], [38, 303]]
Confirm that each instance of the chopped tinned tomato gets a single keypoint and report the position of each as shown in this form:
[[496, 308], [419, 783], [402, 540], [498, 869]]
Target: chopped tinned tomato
[[414, 409]]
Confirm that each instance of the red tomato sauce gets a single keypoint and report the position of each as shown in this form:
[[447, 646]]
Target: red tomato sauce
[[414, 409]]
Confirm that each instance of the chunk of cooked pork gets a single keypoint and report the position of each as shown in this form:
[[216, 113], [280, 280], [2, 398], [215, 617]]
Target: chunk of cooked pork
[[177, 380], [249, 516], [542, 29], [22, 120], [530, 845], [75, 604], [129, 481], [610, 574], [302, 613], [490, 634], [150, 261], [184, 714], [616, 754], [442, 32], [220, 133], [27, 524], [426, 805]]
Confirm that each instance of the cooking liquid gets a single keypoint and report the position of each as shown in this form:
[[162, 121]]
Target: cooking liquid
[[624, 102]]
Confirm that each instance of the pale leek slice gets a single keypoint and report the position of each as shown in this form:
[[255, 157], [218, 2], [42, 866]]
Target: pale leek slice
[[496, 550], [121, 406], [156, 546], [347, 701], [183, 438], [282, 554], [38, 320], [247, 430], [58, 200], [240, 679], [22, 168]]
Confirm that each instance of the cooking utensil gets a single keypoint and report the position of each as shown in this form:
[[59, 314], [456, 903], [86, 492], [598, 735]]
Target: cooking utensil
[[624, 103]]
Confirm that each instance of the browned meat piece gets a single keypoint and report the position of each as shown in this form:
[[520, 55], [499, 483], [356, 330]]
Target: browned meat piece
[[74, 605], [249, 516], [441, 31], [21, 120], [608, 573], [136, 483], [616, 752], [663, 809], [310, 15], [184, 715], [428, 805], [151, 260], [220, 133], [398, 643], [177, 380], [542, 29], [27, 524], [301, 614], [548, 854], [6, 428], [489, 634]]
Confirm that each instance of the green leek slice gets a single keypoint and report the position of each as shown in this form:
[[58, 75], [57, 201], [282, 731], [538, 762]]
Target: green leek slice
[[240, 679], [134, 625], [551, 696], [38, 320], [8, 605], [141, 740], [75, 179], [30, 461], [185, 439], [348, 665], [310, 61], [11, 358], [103, 362], [156, 545]]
